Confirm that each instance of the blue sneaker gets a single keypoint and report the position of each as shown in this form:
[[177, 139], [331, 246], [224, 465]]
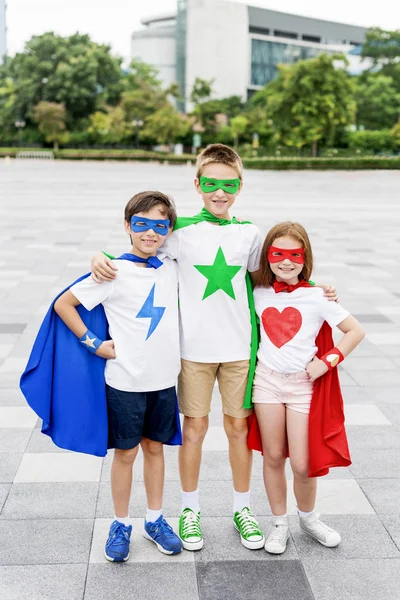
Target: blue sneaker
[[117, 545], [163, 536]]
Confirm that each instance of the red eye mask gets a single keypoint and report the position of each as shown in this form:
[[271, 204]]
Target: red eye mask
[[276, 255]]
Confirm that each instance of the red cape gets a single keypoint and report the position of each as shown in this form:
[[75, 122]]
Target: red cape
[[327, 440]]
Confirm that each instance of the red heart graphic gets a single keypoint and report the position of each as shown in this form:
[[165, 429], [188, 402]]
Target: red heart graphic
[[281, 327]]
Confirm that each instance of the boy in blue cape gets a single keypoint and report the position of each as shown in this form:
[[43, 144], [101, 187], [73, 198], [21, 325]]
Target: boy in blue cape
[[130, 396]]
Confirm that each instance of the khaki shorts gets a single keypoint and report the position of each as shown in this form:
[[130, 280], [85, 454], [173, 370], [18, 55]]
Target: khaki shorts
[[196, 383]]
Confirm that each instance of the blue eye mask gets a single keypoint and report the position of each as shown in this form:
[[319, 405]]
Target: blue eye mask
[[139, 224]]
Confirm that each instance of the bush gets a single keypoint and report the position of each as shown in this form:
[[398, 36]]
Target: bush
[[373, 141]]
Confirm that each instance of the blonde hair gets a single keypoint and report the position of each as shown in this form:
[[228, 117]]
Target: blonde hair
[[219, 153], [298, 233]]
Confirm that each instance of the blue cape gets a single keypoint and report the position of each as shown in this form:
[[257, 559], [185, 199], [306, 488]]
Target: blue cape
[[64, 384]]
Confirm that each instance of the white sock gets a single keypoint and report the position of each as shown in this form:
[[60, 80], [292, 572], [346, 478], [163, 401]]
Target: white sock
[[240, 500], [191, 500], [152, 515], [280, 516], [124, 520], [304, 514]]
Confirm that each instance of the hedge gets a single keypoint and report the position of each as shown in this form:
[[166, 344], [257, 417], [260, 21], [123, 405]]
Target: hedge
[[270, 163], [321, 164]]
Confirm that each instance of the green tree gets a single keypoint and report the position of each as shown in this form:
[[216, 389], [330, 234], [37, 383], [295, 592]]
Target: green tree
[[309, 101], [70, 70], [378, 101], [200, 95], [383, 48], [238, 126], [165, 126], [7, 102], [51, 118]]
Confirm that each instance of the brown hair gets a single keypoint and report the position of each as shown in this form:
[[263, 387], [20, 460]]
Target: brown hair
[[219, 153], [295, 231], [145, 201]]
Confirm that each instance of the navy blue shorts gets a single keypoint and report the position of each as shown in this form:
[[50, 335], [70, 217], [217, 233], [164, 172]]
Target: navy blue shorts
[[134, 415]]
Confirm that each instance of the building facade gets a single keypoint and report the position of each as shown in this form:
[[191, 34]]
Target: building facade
[[3, 30], [237, 45]]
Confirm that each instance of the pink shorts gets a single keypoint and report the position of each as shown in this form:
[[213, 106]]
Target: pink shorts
[[294, 390]]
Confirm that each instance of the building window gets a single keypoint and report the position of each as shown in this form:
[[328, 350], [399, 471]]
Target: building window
[[311, 38], [285, 34], [260, 30], [266, 55]]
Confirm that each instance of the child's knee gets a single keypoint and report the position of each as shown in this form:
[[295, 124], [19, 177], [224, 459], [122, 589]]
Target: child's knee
[[236, 429], [126, 457], [300, 468], [151, 447], [275, 457], [194, 429]]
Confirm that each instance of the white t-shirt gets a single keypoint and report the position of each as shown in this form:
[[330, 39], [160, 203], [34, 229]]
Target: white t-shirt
[[289, 325], [141, 306], [214, 311]]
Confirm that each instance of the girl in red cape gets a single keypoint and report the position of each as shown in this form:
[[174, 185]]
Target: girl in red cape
[[296, 393]]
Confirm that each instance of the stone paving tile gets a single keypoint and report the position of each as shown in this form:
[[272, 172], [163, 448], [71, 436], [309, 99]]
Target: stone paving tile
[[282, 580], [377, 378], [9, 463], [40, 442], [51, 501], [356, 579], [383, 494], [370, 436], [42, 582], [232, 549], [14, 439], [392, 411], [137, 580], [4, 489], [389, 395], [391, 522], [17, 417], [363, 536], [58, 467], [374, 463], [50, 541], [364, 414]]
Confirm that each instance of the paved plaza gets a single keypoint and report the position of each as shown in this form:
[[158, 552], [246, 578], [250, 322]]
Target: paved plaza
[[55, 506]]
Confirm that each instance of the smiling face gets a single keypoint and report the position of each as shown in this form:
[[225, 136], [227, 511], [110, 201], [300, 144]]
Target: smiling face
[[218, 202], [286, 270], [146, 243]]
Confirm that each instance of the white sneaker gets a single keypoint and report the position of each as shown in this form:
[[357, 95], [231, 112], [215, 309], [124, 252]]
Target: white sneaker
[[277, 539], [319, 531]]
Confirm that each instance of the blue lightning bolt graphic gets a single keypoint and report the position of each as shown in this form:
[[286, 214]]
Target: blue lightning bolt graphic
[[149, 311]]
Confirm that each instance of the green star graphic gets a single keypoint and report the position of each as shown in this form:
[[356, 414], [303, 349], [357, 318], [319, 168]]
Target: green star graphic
[[219, 275]]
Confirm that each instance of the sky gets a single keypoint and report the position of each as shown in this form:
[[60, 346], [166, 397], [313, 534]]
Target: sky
[[112, 21]]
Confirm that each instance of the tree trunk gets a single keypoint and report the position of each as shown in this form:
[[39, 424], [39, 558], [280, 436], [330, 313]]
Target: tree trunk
[[314, 148]]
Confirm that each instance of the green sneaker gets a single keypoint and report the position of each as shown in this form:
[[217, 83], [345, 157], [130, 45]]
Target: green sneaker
[[190, 530], [246, 524]]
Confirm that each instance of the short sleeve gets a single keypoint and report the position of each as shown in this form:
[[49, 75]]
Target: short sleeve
[[171, 246], [90, 294], [332, 312], [253, 263]]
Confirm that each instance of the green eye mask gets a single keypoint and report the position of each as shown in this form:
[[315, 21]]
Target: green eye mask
[[230, 186]]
